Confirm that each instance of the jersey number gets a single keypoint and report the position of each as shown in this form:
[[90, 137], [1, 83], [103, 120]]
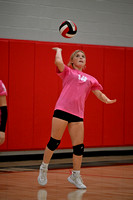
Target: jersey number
[[82, 78]]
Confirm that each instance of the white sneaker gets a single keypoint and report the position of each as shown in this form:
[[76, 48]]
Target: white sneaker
[[42, 178], [77, 181]]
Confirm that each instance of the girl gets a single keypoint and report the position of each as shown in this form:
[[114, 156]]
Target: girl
[[3, 112], [69, 111]]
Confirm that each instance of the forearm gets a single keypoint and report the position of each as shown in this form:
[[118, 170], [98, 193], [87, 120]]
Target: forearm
[[58, 59], [58, 56], [102, 97]]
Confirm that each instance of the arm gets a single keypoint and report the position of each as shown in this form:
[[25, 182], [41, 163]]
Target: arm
[[58, 59], [102, 97]]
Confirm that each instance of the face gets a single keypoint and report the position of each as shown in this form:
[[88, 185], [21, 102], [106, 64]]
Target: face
[[79, 60]]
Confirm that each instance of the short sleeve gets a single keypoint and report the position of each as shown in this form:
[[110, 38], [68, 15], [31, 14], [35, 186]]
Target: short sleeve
[[64, 73], [96, 85], [2, 88]]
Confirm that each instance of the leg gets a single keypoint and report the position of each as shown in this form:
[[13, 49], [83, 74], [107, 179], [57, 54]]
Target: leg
[[2, 137], [76, 131], [58, 128]]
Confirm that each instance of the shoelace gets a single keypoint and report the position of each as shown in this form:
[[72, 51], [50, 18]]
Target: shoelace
[[78, 179], [43, 173]]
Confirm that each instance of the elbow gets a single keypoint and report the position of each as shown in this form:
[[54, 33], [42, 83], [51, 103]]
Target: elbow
[[58, 61]]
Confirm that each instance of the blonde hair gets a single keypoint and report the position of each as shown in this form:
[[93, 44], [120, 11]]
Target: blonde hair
[[72, 56]]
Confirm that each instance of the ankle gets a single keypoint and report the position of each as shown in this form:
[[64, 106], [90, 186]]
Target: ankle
[[44, 165], [76, 173]]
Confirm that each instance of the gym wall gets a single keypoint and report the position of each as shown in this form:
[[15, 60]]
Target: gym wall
[[101, 22], [29, 73], [28, 31]]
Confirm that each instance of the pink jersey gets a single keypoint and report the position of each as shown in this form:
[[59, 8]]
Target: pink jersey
[[76, 87], [2, 89]]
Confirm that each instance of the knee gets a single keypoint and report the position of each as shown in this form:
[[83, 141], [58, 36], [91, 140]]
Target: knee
[[53, 144], [78, 150]]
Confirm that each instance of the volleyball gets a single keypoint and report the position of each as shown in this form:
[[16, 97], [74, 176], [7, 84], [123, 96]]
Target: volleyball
[[68, 29]]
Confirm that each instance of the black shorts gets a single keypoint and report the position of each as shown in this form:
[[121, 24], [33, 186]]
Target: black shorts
[[67, 116], [3, 118]]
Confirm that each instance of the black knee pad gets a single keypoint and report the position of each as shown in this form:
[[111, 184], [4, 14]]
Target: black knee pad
[[53, 144], [78, 150], [3, 118]]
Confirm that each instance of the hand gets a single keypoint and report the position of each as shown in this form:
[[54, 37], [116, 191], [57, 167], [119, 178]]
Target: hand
[[110, 101], [57, 48]]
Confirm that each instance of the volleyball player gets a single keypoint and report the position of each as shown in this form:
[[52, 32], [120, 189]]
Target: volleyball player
[[3, 112], [69, 111]]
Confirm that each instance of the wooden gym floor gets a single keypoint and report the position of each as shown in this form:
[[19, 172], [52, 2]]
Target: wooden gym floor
[[106, 178]]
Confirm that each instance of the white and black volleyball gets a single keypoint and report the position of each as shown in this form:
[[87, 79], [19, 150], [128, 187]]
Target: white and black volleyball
[[68, 29]]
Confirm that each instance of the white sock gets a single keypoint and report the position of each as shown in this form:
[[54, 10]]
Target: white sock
[[44, 165], [76, 172]]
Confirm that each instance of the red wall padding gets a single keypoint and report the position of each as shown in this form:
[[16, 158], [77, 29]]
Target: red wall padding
[[113, 127], [27, 68], [21, 94], [128, 115]]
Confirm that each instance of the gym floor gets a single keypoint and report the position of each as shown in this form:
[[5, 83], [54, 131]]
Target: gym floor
[[106, 177]]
